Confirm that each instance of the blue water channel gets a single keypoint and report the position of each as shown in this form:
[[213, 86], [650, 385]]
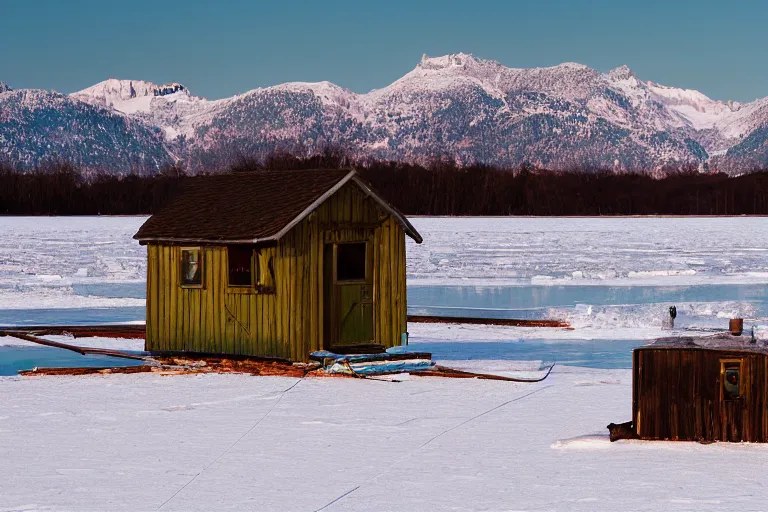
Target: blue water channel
[[532, 302], [13, 359]]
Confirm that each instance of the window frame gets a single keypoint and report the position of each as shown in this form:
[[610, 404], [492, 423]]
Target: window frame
[[240, 288], [201, 263], [726, 364], [257, 280]]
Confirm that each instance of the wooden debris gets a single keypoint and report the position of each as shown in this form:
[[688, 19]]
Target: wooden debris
[[85, 371], [443, 371], [26, 336], [180, 366], [622, 431], [130, 331], [488, 321]]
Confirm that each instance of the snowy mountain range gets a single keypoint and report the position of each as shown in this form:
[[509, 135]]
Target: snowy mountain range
[[456, 106]]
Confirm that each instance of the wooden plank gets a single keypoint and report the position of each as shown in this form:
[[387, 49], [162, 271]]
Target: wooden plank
[[385, 286], [287, 301], [175, 321], [299, 351], [210, 299], [394, 320], [221, 296], [245, 318], [255, 311], [376, 242], [148, 295], [282, 305], [203, 336], [320, 294], [403, 282], [216, 293], [151, 321], [280, 287], [315, 271], [197, 319], [271, 332], [164, 298], [295, 273], [172, 290]]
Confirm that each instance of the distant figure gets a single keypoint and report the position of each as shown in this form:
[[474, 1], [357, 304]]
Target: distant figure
[[669, 322]]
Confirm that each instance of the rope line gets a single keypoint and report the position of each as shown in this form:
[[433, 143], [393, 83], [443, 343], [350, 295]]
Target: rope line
[[282, 394]]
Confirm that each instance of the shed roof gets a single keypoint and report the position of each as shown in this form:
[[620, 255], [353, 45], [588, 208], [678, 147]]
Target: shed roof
[[251, 207], [718, 342]]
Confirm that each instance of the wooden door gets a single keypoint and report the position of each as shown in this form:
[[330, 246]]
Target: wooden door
[[349, 305]]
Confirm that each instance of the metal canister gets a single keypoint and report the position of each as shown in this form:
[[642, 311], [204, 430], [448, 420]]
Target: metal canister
[[736, 326]]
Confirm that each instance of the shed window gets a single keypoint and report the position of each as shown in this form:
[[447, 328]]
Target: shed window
[[350, 262], [730, 375], [240, 261], [191, 267]]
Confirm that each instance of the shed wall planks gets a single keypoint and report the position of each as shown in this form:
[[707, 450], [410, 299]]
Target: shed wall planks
[[290, 322], [677, 396]]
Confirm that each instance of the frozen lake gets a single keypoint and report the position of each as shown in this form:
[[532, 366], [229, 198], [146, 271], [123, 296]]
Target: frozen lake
[[149, 442], [613, 279]]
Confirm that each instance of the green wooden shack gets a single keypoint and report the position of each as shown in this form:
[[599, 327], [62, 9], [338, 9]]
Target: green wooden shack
[[276, 264]]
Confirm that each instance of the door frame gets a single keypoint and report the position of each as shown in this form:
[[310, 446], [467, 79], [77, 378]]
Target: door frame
[[331, 314]]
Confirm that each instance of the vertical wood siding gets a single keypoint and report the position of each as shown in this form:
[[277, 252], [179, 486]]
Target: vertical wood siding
[[289, 323], [676, 396]]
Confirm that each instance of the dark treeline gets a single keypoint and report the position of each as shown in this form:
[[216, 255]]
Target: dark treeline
[[441, 188]]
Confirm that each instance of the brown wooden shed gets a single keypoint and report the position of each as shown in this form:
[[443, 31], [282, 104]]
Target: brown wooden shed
[[276, 263], [701, 389]]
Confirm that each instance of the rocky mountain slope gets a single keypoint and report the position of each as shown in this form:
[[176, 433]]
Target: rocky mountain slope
[[455, 106]]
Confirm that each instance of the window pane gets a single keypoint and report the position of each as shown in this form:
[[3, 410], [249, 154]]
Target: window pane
[[239, 259], [731, 380], [350, 262], [191, 271]]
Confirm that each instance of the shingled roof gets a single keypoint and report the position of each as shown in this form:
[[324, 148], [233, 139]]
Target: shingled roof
[[251, 207]]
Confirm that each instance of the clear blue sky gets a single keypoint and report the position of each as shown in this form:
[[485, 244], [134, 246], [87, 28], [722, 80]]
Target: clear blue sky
[[221, 48]]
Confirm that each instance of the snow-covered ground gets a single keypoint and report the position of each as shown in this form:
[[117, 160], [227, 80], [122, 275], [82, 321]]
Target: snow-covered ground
[[227, 442]]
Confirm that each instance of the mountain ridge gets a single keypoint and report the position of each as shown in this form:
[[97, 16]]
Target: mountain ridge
[[454, 106]]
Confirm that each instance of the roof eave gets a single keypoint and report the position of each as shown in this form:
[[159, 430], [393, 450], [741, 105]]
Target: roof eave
[[148, 239]]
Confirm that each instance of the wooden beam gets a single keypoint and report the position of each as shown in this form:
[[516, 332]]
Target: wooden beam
[[424, 319]]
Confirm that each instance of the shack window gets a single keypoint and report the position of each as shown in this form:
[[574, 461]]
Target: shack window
[[350, 262], [240, 262], [730, 375], [191, 267]]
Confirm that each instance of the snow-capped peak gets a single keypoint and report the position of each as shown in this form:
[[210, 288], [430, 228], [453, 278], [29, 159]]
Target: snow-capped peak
[[114, 89], [4, 87], [452, 60], [621, 73], [129, 96]]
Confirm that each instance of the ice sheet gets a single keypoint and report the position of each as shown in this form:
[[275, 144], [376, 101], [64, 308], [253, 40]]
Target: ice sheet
[[589, 250], [41, 258]]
